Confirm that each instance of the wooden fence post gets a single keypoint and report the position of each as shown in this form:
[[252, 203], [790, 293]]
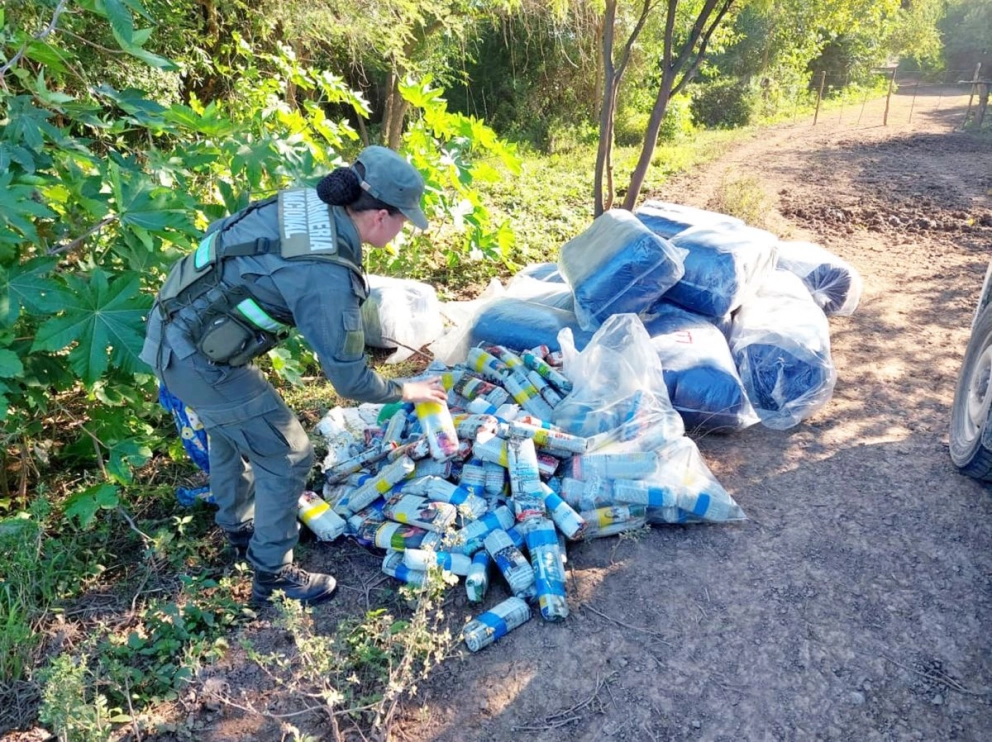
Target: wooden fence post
[[888, 96], [971, 96], [819, 95]]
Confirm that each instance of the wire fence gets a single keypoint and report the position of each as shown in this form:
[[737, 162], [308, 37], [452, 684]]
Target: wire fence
[[958, 97]]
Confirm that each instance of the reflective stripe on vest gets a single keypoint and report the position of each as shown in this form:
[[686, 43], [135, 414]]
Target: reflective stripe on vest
[[206, 252], [259, 317]]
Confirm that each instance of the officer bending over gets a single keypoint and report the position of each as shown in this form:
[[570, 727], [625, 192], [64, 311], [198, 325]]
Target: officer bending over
[[293, 260]]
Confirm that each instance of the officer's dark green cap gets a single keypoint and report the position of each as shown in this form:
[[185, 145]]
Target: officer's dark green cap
[[394, 181]]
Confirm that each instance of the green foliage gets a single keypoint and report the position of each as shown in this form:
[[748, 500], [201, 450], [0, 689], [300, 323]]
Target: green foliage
[[449, 150], [70, 707], [722, 104], [967, 31], [151, 662], [38, 573]]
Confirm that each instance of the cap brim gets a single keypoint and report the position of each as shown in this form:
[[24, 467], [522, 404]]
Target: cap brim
[[416, 215]]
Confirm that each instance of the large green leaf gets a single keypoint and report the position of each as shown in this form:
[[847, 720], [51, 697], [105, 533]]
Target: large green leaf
[[27, 286], [121, 21], [10, 364], [103, 319], [85, 504], [18, 210], [123, 457], [142, 204], [27, 123]]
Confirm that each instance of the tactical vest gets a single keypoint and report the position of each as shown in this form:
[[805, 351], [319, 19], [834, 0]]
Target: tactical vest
[[235, 328]]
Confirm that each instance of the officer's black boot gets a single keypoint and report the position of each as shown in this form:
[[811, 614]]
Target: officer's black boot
[[306, 587], [240, 539]]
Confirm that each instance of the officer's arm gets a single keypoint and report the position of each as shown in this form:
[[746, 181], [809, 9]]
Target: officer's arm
[[328, 315]]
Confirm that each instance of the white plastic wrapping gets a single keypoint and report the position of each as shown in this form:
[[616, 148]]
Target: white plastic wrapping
[[781, 345], [401, 314], [834, 283], [617, 266], [667, 219]]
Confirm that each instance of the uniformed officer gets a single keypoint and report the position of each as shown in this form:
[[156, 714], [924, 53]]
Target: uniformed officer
[[291, 260]]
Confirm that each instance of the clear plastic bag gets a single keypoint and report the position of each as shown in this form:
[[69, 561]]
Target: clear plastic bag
[[617, 266], [723, 267], [834, 283], [619, 391], [666, 219], [681, 489], [401, 314], [781, 345], [702, 380]]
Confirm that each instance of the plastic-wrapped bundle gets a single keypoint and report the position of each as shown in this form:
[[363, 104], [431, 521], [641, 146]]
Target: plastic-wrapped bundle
[[668, 219], [555, 294], [520, 324], [699, 371], [617, 266], [542, 272], [681, 489], [400, 312], [781, 345], [834, 283], [722, 268], [619, 391]]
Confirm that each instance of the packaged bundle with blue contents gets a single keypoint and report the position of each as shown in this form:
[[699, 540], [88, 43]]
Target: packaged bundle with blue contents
[[781, 344], [518, 323], [722, 266], [667, 219], [617, 266], [542, 272], [699, 371], [834, 283]]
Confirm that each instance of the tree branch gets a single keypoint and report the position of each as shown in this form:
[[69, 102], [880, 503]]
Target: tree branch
[[38, 37], [69, 246]]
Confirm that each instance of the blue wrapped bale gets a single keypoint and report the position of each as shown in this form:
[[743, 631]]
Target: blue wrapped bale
[[781, 344], [699, 371], [542, 272], [550, 293], [666, 219], [519, 324], [722, 267], [834, 283], [617, 266]]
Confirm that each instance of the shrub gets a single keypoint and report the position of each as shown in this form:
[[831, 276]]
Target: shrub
[[723, 104]]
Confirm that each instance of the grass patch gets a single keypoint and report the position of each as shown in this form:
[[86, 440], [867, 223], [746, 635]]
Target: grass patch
[[741, 196]]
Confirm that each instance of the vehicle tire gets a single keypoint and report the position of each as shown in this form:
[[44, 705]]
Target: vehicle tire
[[972, 403]]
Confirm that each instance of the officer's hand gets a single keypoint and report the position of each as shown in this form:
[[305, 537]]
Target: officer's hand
[[431, 390]]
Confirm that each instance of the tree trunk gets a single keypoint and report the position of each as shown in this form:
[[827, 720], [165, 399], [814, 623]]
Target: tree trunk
[[601, 201], [681, 64]]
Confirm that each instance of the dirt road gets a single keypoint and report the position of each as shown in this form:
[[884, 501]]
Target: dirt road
[[855, 603]]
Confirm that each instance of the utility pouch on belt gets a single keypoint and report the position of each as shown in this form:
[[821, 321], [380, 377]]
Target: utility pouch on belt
[[225, 337]]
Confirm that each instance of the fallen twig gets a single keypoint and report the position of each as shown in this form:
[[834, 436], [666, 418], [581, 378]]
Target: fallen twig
[[567, 716], [626, 625], [941, 678]]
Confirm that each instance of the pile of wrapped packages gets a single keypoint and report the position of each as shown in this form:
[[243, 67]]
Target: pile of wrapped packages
[[570, 392]]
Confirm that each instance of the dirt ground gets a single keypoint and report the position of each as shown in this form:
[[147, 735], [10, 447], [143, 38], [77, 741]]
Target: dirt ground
[[855, 601]]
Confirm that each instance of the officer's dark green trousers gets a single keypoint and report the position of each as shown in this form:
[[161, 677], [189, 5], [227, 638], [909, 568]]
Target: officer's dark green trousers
[[260, 455]]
